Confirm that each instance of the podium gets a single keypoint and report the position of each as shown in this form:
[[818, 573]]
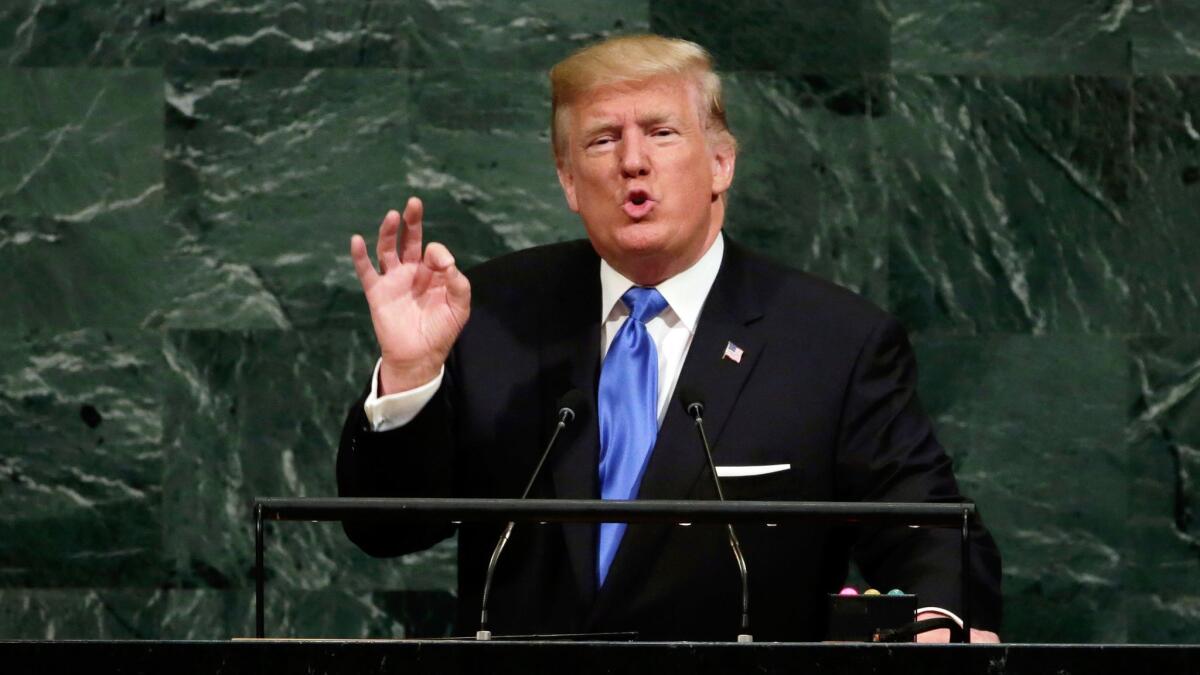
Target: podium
[[450, 657], [468, 657], [953, 515]]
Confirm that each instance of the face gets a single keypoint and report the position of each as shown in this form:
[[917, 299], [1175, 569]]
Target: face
[[645, 176]]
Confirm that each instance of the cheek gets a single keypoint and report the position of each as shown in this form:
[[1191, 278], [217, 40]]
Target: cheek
[[592, 181], [699, 180]]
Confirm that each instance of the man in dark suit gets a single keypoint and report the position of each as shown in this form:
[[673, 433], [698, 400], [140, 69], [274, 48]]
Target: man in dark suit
[[809, 390]]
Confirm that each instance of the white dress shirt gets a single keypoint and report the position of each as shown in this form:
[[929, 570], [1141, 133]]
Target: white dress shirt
[[672, 332]]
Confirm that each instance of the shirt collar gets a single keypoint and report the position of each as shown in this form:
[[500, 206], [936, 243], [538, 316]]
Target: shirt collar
[[685, 292]]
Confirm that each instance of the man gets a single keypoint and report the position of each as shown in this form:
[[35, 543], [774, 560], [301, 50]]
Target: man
[[808, 389]]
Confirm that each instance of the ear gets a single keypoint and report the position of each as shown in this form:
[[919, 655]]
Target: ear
[[723, 158], [567, 180]]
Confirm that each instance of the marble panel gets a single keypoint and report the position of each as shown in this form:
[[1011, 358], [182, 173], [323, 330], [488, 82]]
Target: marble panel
[[81, 614], [805, 191], [1165, 201], [289, 33], [531, 34], [62, 276], [983, 37], [1007, 202], [176, 614], [81, 199], [83, 32], [292, 613], [82, 216], [481, 160], [270, 193], [793, 36], [260, 413], [79, 144], [522, 35], [181, 336], [1164, 433], [81, 461], [1036, 428], [208, 291], [1166, 36]]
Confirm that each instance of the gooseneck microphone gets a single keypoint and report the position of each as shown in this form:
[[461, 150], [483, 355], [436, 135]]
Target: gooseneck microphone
[[694, 406], [568, 405]]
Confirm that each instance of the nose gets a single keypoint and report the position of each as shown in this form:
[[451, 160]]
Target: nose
[[634, 161]]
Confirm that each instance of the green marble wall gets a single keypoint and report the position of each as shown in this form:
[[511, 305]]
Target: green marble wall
[[182, 329]]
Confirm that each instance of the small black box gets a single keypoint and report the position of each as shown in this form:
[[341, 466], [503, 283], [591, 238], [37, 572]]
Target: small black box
[[856, 618]]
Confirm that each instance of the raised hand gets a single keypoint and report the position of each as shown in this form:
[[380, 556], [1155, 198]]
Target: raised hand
[[419, 303]]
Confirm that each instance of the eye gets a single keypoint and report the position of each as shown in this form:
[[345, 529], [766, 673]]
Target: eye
[[662, 132]]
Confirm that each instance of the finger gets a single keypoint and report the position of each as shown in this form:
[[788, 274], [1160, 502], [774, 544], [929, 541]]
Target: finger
[[440, 262], [421, 279], [362, 262], [984, 636], [424, 271], [937, 636], [410, 239], [438, 258], [433, 267], [436, 261], [458, 287], [385, 246]]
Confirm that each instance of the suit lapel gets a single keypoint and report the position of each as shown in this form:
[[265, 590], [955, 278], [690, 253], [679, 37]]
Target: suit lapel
[[570, 359], [678, 462]]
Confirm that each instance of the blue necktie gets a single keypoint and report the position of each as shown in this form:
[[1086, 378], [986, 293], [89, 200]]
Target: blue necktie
[[628, 405]]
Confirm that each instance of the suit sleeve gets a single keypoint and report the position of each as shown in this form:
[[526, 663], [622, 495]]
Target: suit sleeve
[[888, 452], [415, 460]]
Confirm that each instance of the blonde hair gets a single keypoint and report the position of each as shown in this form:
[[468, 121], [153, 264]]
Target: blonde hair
[[633, 59]]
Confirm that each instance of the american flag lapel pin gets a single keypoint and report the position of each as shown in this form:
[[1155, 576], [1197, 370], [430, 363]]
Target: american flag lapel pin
[[732, 352]]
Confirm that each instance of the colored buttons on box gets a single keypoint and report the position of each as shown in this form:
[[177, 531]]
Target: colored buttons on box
[[849, 590]]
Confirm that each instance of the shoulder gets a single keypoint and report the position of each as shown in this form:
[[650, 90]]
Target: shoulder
[[536, 263], [516, 285], [792, 296]]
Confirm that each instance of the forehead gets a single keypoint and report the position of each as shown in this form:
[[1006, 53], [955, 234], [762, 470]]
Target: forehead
[[675, 97]]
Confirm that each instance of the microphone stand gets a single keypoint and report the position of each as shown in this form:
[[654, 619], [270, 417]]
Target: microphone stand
[[565, 416], [696, 410]]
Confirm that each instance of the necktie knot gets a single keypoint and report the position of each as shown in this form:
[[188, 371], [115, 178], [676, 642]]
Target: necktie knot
[[644, 303]]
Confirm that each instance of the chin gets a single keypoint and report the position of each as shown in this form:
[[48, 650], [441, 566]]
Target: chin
[[643, 235]]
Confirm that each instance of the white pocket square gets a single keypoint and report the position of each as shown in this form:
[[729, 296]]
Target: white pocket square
[[750, 470]]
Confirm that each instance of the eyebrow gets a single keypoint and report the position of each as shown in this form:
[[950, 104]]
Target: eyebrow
[[647, 120]]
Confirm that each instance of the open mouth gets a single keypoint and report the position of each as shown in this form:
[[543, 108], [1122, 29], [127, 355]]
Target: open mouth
[[638, 204]]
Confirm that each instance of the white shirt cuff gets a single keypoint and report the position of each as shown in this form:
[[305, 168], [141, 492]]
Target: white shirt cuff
[[395, 410], [944, 612]]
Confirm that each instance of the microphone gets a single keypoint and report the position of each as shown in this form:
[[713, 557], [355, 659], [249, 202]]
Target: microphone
[[693, 404], [569, 406]]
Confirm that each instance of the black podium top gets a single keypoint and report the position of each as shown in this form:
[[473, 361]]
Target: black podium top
[[447, 657]]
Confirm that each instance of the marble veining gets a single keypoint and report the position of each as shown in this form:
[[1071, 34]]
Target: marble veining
[[1018, 182]]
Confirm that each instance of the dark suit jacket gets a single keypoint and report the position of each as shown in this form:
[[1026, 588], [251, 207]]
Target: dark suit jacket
[[826, 384]]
